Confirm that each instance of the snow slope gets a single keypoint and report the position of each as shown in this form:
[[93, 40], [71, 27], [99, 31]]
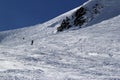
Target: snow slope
[[90, 53]]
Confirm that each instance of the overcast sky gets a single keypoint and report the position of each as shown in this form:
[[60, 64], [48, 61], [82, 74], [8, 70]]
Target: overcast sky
[[22, 13]]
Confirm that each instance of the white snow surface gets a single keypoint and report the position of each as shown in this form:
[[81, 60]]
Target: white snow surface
[[90, 53]]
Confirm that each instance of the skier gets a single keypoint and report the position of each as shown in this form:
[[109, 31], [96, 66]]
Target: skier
[[32, 42]]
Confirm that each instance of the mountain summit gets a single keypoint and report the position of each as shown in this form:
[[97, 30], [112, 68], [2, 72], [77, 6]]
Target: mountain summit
[[82, 44], [89, 13], [82, 16]]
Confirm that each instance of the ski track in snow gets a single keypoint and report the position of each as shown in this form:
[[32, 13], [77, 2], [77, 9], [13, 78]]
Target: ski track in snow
[[56, 66], [91, 53]]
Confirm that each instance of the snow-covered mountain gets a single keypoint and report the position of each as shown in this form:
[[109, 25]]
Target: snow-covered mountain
[[82, 44]]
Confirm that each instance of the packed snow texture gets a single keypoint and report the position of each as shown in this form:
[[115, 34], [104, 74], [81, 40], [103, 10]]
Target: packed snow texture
[[90, 53]]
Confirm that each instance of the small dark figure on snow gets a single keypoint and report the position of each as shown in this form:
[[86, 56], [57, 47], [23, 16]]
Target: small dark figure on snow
[[32, 42], [23, 38]]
